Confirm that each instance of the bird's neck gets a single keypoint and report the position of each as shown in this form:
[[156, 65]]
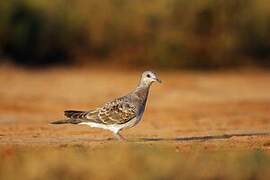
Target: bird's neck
[[144, 84], [142, 92]]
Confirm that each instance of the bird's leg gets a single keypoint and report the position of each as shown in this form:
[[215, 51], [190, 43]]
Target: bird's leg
[[120, 137]]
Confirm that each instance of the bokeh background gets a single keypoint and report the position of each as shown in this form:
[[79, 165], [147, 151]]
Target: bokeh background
[[196, 34], [209, 119]]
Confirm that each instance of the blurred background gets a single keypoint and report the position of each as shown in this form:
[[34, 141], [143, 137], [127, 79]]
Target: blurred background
[[205, 121], [194, 34]]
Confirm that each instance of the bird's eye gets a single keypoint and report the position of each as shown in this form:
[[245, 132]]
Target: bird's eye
[[148, 75]]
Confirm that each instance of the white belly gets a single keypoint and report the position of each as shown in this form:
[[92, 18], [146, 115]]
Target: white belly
[[115, 128]]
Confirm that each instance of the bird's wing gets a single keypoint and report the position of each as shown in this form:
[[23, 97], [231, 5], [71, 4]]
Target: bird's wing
[[118, 111]]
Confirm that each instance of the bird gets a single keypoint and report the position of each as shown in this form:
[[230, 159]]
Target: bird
[[121, 113]]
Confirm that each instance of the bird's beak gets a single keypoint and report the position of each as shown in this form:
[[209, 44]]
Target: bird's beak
[[158, 80]]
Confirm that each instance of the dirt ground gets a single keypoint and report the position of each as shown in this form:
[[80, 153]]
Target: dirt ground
[[210, 111]]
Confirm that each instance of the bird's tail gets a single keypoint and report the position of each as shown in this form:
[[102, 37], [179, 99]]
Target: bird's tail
[[67, 121], [76, 114], [73, 117]]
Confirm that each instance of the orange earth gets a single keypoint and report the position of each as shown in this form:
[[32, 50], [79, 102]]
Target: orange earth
[[189, 112]]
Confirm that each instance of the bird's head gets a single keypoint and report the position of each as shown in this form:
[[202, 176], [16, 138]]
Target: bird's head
[[148, 77]]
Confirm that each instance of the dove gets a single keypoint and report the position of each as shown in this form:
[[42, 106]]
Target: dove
[[121, 113]]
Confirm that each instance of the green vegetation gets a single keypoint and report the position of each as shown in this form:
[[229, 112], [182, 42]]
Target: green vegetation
[[130, 162], [165, 33]]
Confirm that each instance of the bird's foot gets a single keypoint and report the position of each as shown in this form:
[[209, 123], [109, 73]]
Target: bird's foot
[[120, 137]]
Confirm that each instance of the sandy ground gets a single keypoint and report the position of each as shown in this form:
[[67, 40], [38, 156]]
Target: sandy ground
[[197, 125], [209, 108]]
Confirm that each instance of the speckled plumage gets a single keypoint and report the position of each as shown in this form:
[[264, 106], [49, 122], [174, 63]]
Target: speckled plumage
[[123, 112]]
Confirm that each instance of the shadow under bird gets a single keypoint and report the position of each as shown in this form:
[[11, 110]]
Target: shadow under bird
[[121, 113]]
